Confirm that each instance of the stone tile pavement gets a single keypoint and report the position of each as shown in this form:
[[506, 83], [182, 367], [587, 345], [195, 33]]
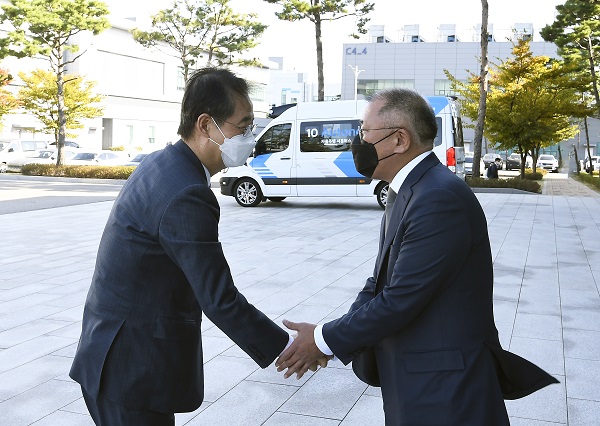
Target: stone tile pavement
[[305, 259]]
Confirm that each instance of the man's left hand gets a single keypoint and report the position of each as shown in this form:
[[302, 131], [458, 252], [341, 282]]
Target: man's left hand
[[301, 354]]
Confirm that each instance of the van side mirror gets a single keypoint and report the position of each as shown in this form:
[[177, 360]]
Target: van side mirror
[[11, 150]]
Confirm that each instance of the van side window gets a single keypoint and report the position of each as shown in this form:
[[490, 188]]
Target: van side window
[[327, 136], [276, 139], [438, 138]]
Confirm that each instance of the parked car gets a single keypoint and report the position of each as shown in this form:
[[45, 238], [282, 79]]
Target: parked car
[[68, 143], [547, 162], [135, 161], [17, 149], [469, 164], [490, 157], [513, 161], [595, 163], [96, 158], [42, 156]]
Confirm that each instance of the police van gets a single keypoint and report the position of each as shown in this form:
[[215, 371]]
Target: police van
[[305, 152]]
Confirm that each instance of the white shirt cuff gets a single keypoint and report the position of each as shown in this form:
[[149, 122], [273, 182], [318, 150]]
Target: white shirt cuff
[[320, 341]]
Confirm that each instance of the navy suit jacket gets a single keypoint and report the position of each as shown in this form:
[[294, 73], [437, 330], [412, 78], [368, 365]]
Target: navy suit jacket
[[429, 313], [159, 267]]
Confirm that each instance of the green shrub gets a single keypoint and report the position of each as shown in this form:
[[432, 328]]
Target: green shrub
[[589, 179], [529, 175], [90, 172], [515, 183]]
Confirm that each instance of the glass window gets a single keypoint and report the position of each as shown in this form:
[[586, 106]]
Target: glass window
[[257, 92], [151, 137], [276, 139], [443, 88], [180, 79], [438, 138], [369, 87], [327, 136]]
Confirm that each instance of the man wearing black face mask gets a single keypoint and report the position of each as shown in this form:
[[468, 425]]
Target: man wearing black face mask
[[160, 267], [422, 328]]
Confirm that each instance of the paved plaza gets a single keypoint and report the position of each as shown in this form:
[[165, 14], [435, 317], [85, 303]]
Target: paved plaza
[[303, 259]]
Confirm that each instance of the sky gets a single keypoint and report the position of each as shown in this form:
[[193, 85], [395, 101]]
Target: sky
[[295, 41]]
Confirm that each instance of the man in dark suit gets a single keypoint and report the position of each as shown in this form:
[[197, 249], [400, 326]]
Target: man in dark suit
[[160, 266], [427, 310], [492, 171]]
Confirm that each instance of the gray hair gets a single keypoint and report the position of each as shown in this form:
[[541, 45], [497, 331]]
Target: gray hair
[[413, 112]]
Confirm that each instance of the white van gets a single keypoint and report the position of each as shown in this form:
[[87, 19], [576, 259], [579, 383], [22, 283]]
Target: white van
[[305, 152], [18, 149]]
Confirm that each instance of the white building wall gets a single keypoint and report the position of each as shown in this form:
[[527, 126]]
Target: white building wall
[[142, 99]]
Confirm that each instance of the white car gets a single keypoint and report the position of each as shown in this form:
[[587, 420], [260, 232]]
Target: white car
[[595, 162], [547, 162], [16, 149], [96, 158], [42, 156]]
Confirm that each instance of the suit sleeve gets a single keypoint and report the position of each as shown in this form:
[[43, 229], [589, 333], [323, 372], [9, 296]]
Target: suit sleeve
[[433, 246], [189, 234]]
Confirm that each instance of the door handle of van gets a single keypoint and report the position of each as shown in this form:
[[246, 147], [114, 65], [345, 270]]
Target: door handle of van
[[285, 158]]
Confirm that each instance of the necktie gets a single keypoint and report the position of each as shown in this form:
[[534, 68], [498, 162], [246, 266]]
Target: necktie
[[389, 204]]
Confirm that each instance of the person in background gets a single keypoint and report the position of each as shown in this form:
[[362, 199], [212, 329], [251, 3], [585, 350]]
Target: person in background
[[492, 171]]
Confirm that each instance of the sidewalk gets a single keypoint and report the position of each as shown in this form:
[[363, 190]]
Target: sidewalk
[[305, 259]]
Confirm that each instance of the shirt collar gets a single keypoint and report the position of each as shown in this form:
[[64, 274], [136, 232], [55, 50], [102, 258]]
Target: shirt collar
[[404, 171], [207, 175]]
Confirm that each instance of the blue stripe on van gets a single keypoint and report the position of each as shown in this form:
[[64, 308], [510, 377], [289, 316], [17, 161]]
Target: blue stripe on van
[[345, 163], [259, 166], [438, 103]]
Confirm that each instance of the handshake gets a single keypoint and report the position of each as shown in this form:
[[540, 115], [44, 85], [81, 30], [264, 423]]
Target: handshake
[[303, 354]]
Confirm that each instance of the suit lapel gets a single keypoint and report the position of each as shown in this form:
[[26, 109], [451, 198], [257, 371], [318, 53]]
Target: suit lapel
[[402, 200]]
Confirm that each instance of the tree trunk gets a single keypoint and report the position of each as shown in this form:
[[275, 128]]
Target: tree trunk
[[593, 72], [320, 77], [62, 120], [588, 167], [478, 139]]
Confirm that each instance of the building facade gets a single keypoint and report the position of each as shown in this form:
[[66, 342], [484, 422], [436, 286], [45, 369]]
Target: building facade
[[416, 64], [142, 90]]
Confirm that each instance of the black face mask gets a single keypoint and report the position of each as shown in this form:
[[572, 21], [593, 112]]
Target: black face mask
[[365, 155]]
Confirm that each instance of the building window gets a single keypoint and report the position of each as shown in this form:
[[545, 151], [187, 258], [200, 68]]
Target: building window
[[180, 79], [443, 88], [151, 138], [369, 87], [257, 92], [129, 128]]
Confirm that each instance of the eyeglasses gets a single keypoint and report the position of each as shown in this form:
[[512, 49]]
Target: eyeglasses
[[362, 131], [246, 131]]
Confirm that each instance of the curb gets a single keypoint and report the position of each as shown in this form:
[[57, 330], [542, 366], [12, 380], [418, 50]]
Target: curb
[[19, 177]]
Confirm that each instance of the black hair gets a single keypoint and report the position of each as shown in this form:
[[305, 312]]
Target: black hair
[[213, 91]]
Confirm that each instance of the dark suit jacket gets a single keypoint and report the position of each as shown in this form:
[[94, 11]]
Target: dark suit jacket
[[429, 315], [159, 267]]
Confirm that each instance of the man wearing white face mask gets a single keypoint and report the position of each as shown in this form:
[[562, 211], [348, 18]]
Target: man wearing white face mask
[[160, 266]]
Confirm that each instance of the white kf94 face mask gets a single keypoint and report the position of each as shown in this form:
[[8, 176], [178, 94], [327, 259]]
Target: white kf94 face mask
[[236, 150]]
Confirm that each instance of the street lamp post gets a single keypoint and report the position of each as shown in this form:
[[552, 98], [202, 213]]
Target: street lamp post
[[356, 72]]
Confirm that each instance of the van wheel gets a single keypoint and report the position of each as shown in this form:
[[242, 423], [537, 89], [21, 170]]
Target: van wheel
[[247, 193], [3, 167], [276, 199], [381, 191]]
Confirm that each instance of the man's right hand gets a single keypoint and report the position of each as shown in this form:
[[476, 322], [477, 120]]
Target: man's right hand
[[303, 354]]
